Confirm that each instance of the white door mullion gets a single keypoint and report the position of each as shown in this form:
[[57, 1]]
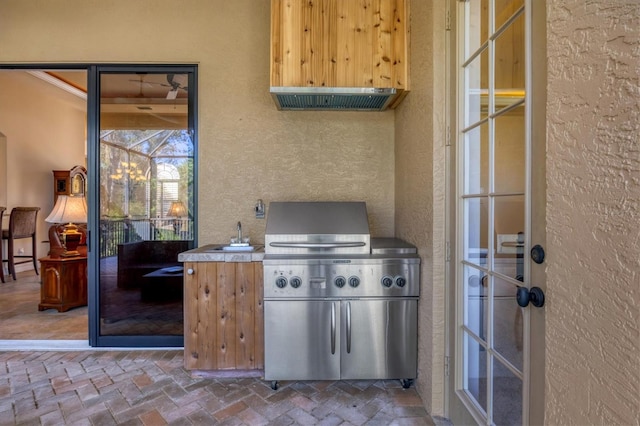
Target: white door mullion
[[491, 213]]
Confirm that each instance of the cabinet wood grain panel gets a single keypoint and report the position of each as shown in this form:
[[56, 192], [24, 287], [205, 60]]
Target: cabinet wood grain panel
[[226, 321], [223, 316], [245, 314], [258, 329], [340, 43]]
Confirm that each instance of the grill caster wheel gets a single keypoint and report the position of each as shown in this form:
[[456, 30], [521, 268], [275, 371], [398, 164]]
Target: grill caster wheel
[[274, 385], [406, 383]]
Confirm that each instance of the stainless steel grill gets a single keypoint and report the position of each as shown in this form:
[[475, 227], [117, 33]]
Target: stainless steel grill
[[338, 304]]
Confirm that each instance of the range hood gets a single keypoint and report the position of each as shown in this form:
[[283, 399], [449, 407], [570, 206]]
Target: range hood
[[332, 98]]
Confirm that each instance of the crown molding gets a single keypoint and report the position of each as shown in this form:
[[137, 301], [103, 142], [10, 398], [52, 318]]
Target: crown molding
[[58, 83]]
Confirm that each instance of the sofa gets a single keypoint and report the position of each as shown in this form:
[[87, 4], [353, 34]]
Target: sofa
[[139, 258]]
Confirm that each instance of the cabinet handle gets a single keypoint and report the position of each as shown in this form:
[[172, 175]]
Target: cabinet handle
[[333, 328], [190, 271], [348, 327]]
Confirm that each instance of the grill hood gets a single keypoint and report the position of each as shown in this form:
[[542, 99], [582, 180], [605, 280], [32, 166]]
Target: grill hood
[[332, 98], [317, 228]]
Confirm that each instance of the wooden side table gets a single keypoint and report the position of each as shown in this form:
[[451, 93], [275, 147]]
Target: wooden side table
[[64, 283]]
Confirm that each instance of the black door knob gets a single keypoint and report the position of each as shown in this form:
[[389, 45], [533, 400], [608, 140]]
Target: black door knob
[[537, 254], [535, 295]]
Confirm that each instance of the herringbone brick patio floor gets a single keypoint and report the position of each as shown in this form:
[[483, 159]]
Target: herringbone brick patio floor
[[152, 388]]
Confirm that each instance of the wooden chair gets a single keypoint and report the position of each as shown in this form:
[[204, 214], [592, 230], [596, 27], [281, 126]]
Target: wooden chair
[[2, 209], [22, 224]]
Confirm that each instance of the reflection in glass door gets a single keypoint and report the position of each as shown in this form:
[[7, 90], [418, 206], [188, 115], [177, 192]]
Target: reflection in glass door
[[491, 205], [146, 202]]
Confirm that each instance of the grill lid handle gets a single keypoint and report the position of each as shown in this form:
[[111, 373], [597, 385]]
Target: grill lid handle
[[318, 245]]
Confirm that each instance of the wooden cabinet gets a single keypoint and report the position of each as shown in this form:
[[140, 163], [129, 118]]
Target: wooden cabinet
[[64, 283], [340, 43], [223, 316]]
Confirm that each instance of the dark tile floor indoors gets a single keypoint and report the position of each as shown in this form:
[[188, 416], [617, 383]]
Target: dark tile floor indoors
[[49, 376]]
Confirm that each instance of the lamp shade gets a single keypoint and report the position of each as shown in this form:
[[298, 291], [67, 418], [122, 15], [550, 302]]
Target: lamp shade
[[177, 209], [68, 209]]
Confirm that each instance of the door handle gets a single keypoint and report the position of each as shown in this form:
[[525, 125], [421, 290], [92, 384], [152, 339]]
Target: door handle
[[348, 327], [535, 295], [333, 328]]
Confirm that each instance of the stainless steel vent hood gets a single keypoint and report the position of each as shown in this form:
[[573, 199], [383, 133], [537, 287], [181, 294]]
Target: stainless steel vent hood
[[332, 98]]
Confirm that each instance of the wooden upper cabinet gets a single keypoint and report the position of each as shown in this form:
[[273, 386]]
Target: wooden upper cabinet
[[340, 43]]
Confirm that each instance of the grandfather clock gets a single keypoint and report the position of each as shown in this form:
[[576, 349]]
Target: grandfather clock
[[67, 182]]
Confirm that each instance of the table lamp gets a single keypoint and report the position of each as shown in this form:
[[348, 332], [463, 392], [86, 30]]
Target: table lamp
[[177, 210], [69, 209]]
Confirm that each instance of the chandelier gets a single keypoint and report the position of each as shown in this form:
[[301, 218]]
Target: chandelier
[[129, 169]]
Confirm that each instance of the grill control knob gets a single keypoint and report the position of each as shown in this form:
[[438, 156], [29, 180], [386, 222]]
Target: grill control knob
[[340, 281], [401, 281], [296, 282], [387, 281], [354, 281], [281, 282]]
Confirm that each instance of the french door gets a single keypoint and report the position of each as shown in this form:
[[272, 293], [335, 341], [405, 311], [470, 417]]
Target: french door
[[494, 217]]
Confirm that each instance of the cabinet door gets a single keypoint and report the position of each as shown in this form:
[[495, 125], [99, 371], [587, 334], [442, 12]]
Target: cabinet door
[[379, 339], [301, 340], [51, 290]]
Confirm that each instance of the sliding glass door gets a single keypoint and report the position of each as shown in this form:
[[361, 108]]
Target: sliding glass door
[[143, 140]]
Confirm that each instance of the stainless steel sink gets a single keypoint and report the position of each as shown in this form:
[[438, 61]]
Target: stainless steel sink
[[231, 248]]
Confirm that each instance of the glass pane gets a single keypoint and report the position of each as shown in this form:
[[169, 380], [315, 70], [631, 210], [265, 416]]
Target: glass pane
[[505, 9], [146, 202], [507, 322], [475, 371], [509, 239], [475, 230], [507, 396], [476, 160], [510, 59], [477, 28], [510, 152], [475, 301], [477, 89]]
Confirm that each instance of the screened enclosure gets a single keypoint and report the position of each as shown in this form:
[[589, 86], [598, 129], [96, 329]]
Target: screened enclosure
[[146, 182]]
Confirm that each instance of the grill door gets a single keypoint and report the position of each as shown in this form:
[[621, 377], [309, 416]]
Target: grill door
[[379, 339], [302, 340]]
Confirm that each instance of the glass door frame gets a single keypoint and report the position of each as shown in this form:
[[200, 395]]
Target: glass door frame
[[93, 163], [457, 405]]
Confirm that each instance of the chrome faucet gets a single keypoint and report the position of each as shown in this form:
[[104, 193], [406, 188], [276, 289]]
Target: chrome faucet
[[239, 232]]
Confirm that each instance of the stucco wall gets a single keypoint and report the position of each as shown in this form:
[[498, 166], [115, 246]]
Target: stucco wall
[[420, 188], [45, 131], [248, 150], [593, 177]]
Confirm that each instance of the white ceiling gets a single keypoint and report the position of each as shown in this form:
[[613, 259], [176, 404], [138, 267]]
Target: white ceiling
[[126, 86]]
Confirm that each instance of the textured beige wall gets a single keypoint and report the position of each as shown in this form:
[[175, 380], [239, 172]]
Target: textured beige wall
[[248, 150], [593, 177], [45, 131], [420, 188]]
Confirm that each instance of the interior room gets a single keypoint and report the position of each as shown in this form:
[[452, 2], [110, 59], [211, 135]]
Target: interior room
[[46, 119]]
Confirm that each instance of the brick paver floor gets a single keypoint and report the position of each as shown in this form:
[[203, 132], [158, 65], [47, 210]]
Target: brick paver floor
[[151, 387]]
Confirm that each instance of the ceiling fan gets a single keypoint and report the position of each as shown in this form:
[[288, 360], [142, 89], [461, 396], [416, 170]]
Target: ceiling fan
[[174, 83], [172, 79]]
